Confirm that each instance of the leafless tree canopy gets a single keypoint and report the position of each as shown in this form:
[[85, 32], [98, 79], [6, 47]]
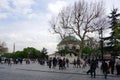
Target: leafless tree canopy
[[79, 19], [59, 23]]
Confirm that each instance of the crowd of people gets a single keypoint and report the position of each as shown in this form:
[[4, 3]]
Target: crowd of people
[[62, 63], [107, 67], [10, 61]]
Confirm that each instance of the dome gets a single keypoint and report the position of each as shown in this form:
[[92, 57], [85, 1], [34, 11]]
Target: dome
[[69, 40]]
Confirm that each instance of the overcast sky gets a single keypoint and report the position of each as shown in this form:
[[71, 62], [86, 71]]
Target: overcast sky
[[25, 22]]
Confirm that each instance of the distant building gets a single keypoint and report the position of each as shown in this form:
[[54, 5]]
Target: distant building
[[54, 55], [69, 42], [68, 48], [3, 50]]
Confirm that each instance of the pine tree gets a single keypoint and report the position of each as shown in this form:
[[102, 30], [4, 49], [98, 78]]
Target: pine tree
[[113, 41], [117, 38]]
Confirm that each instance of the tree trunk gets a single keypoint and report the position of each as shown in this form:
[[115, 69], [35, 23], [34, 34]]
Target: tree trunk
[[79, 54], [80, 50]]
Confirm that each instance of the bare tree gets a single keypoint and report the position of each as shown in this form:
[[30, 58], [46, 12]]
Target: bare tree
[[80, 19], [59, 23]]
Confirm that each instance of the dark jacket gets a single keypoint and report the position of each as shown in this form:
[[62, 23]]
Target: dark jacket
[[104, 66]]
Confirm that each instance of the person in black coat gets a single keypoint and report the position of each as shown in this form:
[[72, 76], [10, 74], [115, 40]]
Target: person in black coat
[[111, 66], [67, 62], [105, 68], [89, 63], [60, 64], [50, 62], [54, 62], [93, 66], [118, 66]]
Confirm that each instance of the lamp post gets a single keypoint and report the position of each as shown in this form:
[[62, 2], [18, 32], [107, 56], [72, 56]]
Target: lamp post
[[101, 40]]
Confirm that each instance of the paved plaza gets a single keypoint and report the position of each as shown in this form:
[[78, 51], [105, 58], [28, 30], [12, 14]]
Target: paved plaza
[[35, 71]]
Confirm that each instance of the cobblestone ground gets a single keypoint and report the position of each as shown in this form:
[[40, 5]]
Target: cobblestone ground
[[38, 72]]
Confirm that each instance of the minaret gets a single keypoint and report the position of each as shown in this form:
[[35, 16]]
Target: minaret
[[14, 48]]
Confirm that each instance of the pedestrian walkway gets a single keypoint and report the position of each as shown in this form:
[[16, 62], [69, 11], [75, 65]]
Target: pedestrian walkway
[[45, 68]]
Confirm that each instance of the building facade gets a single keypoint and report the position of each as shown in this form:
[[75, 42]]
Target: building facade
[[69, 48], [3, 50]]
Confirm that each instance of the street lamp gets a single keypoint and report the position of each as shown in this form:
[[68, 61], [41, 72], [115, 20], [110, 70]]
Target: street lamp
[[101, 40]]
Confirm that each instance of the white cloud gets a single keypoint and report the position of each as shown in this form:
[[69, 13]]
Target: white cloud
[[23, 3], [3, 15], [56, 6], [4, 4], [17, 8], [29, 33], [23, 6]]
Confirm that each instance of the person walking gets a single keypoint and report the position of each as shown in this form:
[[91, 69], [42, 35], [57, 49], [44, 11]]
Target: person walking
[[105, 68], [54, 62], [64, 62], [111, 66], [74, 63], [0, 60], [60, 64], [10, 61], [118, 66], [84, 64], [93, 68], [50, 62], [89, 64], [67, 62], [78, 63]]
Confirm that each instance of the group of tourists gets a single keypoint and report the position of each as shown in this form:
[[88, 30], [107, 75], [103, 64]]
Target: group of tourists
[[10, 61], [62, 63], [107, 67], [79, 64]]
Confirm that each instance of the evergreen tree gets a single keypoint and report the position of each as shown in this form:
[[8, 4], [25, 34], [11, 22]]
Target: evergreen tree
[[114, 38], [117, 38], [44, 52]]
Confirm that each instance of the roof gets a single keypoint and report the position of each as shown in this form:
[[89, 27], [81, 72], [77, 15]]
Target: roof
[[54, 54], [69, 39]]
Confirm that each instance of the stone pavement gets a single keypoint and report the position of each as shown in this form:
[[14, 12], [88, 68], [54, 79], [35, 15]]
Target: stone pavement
[[45, 68]]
